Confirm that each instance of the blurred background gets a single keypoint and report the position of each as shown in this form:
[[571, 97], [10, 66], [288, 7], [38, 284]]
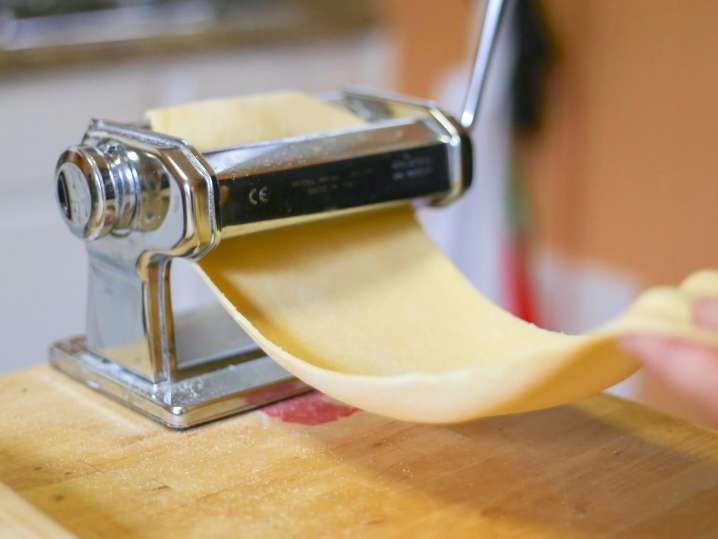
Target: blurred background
[[595, 150]]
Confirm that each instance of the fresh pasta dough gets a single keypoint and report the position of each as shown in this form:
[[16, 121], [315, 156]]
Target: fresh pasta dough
[[222, 123], [365, 308]]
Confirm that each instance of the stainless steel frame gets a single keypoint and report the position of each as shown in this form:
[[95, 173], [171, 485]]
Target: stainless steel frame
[[140, 199]]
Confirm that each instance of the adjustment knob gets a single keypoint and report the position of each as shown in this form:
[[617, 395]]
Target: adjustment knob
[[91, 193]]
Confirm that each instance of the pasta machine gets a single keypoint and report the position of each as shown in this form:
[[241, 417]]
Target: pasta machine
[[140, 199]]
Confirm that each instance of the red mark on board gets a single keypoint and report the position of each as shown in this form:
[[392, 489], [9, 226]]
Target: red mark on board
[[309, 409]]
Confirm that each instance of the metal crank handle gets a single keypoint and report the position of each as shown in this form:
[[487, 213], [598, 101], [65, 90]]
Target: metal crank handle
[[493, 13]]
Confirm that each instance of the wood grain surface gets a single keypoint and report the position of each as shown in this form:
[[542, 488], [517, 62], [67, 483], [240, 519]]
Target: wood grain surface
[[20, 520], [599, 468]]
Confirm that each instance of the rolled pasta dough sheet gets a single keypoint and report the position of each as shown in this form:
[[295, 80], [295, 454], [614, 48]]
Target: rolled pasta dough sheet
[[367, 309]]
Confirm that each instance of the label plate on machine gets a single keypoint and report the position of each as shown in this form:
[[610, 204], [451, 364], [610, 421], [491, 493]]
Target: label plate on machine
[[348, 183]]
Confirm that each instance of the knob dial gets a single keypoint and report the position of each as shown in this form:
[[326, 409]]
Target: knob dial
[[87, 191]]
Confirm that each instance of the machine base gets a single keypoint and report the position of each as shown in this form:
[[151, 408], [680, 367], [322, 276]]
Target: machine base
[[218, 389]]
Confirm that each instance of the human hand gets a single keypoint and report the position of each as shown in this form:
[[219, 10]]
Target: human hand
[[687, 369]]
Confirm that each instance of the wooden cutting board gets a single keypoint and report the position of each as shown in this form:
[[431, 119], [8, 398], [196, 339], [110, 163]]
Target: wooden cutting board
[[310, 467]]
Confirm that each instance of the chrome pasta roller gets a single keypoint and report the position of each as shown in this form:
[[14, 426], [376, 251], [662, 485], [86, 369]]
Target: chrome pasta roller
[[140, 199]]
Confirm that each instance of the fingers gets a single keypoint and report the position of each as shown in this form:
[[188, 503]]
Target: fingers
[[690, 369], [686, 369], [705, 313]]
